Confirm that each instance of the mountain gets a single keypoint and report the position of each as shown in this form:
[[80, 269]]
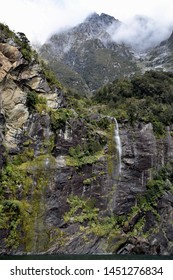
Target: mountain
[[86, 57], [83, 175], [101, 49], [161, 56]]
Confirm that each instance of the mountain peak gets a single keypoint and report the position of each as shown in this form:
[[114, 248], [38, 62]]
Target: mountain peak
[[102, 18], [107, 18], [87, 49]]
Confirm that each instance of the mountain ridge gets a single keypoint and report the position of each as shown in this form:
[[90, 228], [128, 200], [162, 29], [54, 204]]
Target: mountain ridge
[[89, 50], [93, 57]]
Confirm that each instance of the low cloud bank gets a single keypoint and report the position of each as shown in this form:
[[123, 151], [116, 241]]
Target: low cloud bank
[[141, 32], [39, 19]]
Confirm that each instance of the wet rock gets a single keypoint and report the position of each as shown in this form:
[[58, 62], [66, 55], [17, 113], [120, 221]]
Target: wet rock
[[169, 232]]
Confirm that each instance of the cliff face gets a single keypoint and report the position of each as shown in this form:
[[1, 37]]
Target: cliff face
[[65, 185], [20, 75], [151, 206], [112, 212]]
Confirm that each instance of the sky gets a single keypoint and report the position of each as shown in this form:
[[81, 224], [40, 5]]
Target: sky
[[39, 19]]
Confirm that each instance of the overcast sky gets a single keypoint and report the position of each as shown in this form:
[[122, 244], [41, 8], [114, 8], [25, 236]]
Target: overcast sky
[[38, 19]]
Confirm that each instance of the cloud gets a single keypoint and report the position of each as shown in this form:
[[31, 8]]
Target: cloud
[[38, 19], [141, 32]]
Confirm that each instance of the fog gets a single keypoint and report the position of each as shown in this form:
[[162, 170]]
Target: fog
[[141, 32], [39, 19]]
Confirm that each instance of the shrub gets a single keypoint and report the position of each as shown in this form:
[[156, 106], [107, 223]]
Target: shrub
[[50, 76], [59, 117], [31, 101], [41, 105], [147, 98]]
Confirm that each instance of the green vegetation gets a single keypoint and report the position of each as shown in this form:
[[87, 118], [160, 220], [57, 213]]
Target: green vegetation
[[31, 101], [22, 201], [92, 223], [84, 210], [146, 98], [67, 76], [20, 39], [23, 42], [50, 76], [58, 118], [85, 207], [88, 152], [89, 181], [147, 202], [36, 103], [41, 105], [5, 32], [117, 229], [79, 161], [10, 221], [78, 102]]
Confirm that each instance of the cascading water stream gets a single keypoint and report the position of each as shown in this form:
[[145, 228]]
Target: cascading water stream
[[118, 146]]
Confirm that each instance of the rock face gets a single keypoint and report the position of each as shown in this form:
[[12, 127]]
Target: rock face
[[160, 57], [17, 77], [62, 189], [142, 153], [87, 55], [117, 195]]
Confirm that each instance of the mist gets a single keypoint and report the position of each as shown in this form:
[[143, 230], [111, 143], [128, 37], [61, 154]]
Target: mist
[[39, 19], [141, 33]]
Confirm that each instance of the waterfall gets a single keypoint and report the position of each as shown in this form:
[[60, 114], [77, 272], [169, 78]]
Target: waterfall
[[118, 145], [47, 162]]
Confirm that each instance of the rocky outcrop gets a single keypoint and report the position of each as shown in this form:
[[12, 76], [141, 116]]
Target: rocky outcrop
[[18, 77]]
